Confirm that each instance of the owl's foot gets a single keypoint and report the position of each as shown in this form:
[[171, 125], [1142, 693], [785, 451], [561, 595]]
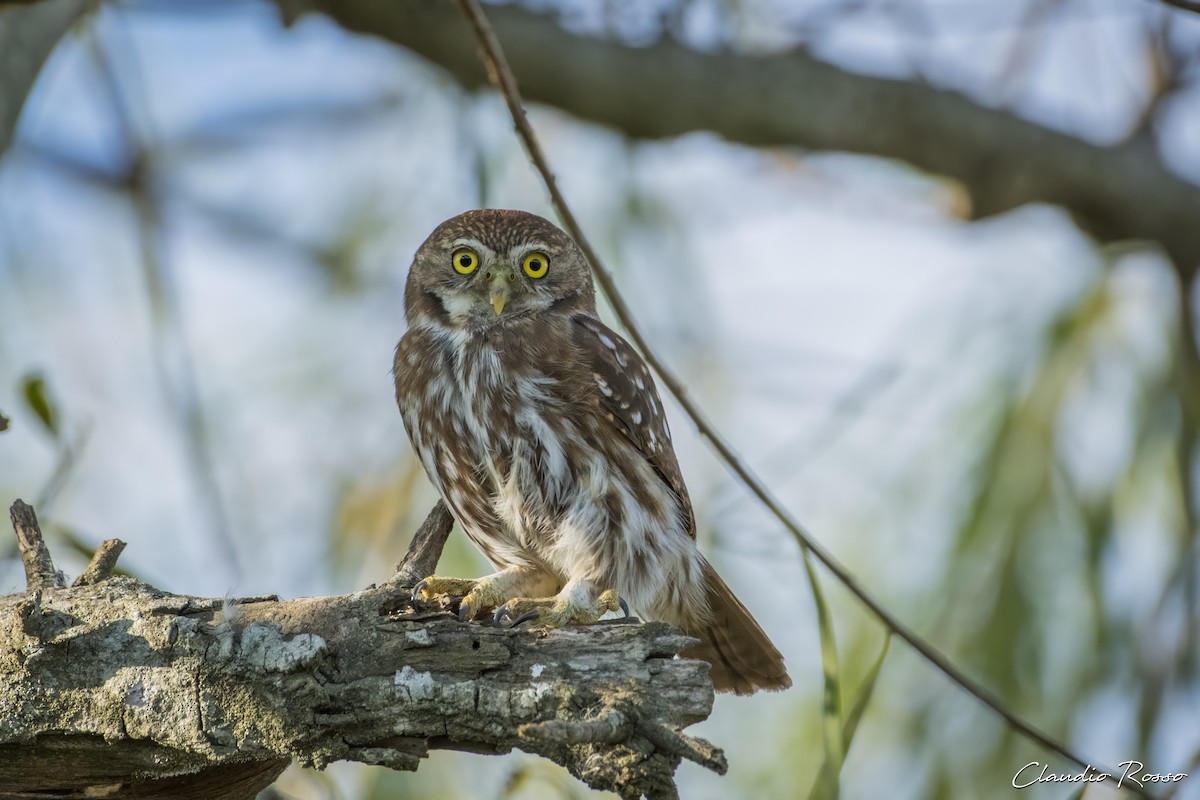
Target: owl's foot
[[564, 609], [435, 585], [475, 593], [488, 592]]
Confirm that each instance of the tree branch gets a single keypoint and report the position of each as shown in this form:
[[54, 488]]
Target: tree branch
[[1183, 5], [116, 688], [27, 36], [1116, 193]]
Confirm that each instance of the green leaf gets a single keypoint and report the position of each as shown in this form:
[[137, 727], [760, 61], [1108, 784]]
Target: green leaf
[[857, 708], [831, 703], [863, 699], [3, 422], [33, 387]]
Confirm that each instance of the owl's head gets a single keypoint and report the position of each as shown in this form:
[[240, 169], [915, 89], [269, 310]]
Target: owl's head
[[490, 267]]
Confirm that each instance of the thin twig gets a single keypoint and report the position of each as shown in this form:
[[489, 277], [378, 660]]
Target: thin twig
[[693, 748], [39, 566], [607, 728], [502, 79], [103, 562], [814, 441]]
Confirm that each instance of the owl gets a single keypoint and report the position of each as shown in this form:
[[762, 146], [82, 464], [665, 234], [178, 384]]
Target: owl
[[544, 433]]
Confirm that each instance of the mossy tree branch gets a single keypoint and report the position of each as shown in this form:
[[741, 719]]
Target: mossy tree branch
[[115, 688]]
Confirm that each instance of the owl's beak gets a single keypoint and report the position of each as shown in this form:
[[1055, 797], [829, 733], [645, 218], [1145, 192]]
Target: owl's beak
[[498, 294]]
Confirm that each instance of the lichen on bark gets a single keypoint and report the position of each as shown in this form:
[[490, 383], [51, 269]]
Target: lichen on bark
[[116, 688]]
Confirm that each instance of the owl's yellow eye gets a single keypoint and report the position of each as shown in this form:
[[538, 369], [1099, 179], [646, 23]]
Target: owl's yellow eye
[[464, 260], [536, 264]]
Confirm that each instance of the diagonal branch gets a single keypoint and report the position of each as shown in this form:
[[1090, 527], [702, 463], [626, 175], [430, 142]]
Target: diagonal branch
[[502, 77]]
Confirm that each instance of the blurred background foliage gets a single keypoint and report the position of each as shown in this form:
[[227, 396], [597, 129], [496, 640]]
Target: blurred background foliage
[[205, 222]]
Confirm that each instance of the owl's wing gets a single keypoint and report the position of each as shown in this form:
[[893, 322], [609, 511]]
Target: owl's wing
[[629, 400]]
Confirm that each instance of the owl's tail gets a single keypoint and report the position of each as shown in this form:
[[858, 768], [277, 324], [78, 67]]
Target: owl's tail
[[742, 657]]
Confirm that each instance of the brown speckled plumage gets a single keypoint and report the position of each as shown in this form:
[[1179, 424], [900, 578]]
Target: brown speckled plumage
[[544, 433]]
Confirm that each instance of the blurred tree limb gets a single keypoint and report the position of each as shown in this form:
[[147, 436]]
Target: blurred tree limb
[[113, 688], [1184, 5], [27, 35], [667, 89]]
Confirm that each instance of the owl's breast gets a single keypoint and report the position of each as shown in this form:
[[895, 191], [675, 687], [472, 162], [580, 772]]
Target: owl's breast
[[494, 431], [526, 435]]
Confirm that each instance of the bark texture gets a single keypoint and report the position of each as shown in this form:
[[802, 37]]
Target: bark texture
[[113, 688]]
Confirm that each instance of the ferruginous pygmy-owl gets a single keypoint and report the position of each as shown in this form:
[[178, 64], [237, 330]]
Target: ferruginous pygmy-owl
[[545, 435]]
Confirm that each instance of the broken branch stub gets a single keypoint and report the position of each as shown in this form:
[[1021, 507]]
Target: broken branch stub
[[39, 567]]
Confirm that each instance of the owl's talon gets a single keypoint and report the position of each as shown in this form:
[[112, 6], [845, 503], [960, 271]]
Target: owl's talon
[[504, 611], [465, 611], [526, 617], [563, 609], [418, 592]]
